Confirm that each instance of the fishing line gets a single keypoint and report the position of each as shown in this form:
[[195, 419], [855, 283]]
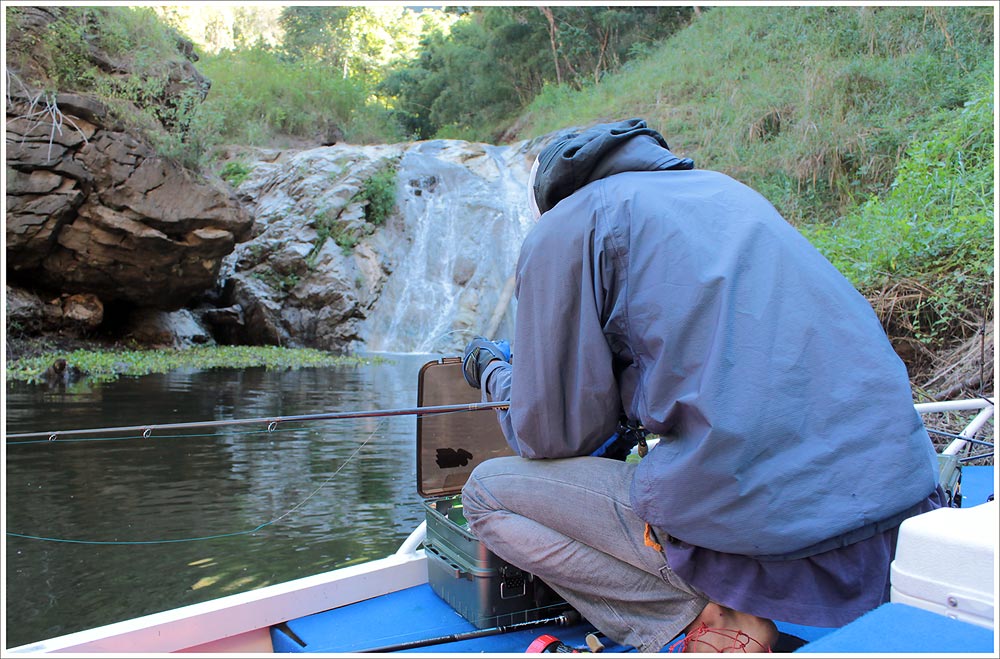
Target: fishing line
[[333, 475], [218, 535]]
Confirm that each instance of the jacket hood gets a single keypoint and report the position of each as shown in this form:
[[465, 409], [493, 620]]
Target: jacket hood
[[603, 150]]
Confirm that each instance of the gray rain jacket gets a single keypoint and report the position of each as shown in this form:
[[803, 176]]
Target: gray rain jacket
[[682, 299]]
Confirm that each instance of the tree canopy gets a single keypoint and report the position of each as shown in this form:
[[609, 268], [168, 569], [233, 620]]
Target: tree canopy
[[495, 60]]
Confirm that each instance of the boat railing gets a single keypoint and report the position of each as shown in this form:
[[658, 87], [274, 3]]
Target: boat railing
[[414, 540], [986, 407]]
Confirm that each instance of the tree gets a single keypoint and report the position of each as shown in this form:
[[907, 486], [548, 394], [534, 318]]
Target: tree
[[357, 41], [496, 59]]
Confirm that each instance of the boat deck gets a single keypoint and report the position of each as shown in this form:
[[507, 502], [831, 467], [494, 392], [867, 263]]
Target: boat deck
[[417, 613]]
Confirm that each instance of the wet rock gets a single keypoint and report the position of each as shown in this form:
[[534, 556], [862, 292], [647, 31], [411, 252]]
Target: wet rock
[[316, 273], [82, 310], [69, 315], [163, 329]]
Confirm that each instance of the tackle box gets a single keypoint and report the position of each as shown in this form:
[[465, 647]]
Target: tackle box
[[486, 590]]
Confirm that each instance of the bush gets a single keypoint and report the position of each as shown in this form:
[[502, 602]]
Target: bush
[[261, 95], [234, 173], [380, 191], [935, 224]]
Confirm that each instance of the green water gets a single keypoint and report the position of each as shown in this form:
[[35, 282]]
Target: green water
[[320, 495]]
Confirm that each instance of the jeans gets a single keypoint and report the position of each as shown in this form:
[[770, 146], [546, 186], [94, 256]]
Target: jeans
[[570, 523]]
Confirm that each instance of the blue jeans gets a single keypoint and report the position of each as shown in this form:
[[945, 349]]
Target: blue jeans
[[570, 522]]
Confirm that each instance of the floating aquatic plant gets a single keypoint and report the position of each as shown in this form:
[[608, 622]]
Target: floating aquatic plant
[[107, 365]]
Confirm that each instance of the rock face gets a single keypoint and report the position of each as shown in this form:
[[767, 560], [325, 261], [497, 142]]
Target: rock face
[[93, 209], [99, 225], [292, 283], [308, 270], [72, 314], [317, 274]]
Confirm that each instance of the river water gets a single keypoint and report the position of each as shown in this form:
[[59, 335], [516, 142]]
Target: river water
[[122, 527]]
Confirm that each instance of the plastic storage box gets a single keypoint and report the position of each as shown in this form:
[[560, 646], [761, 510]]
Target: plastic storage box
[[945, 562], [486, 590]]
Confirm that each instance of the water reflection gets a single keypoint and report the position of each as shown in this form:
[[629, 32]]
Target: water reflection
[[264, 507]]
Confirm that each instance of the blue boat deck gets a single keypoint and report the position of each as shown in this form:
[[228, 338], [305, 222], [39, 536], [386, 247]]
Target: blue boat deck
[[417, 613]]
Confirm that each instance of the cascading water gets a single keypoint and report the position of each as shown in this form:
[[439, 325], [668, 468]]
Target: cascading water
[[463, 213]]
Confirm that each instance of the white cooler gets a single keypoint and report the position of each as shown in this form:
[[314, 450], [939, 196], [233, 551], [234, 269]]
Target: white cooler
[[945, 563]]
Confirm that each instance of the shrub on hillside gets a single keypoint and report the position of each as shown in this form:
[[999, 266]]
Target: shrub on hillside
[[934, 226]]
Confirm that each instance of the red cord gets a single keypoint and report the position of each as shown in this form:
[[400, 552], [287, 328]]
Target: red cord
[[738, 640]]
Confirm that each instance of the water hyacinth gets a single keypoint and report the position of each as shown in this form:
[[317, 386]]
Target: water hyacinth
[[108, 365]]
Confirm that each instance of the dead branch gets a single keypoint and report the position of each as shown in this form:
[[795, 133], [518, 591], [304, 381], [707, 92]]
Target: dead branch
[[41, 109]]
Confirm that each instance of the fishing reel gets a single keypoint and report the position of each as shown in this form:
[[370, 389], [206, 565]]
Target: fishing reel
[[549, 643], [629, 435]]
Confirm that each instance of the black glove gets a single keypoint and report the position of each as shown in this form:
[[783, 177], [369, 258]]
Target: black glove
[[480, 352]]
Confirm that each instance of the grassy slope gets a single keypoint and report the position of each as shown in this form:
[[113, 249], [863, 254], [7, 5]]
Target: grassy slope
[[810, 105], [821, 109]]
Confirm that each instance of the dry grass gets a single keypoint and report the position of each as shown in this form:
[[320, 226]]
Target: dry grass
[[965, 369], [770, 124], [959, 366]]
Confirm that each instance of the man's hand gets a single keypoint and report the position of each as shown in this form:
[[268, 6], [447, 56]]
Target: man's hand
[[478, 354]]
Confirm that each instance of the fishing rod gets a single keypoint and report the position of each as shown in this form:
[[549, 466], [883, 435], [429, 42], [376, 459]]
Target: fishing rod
[[272, 422], [570, 617]]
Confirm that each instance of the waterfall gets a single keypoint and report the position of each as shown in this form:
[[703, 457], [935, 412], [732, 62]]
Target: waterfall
[[463, 214]]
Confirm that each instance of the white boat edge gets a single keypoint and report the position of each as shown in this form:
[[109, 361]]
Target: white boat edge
[[241, 623]]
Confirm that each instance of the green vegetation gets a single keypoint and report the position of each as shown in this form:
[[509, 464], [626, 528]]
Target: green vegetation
[[934, 228], [283, 282], [868, 127], [103, 366], [234, 173], [380, 192], [812, 106], [125, 56], [133, 35], [259, 95], [493, 61], [328, 226]]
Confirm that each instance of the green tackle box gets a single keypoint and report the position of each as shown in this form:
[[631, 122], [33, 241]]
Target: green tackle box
[[486, 590]]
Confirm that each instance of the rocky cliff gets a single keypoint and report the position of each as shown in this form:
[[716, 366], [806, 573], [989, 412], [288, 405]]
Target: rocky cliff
[[95, 216], [106, 237], [290, 258], [317, 273]]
